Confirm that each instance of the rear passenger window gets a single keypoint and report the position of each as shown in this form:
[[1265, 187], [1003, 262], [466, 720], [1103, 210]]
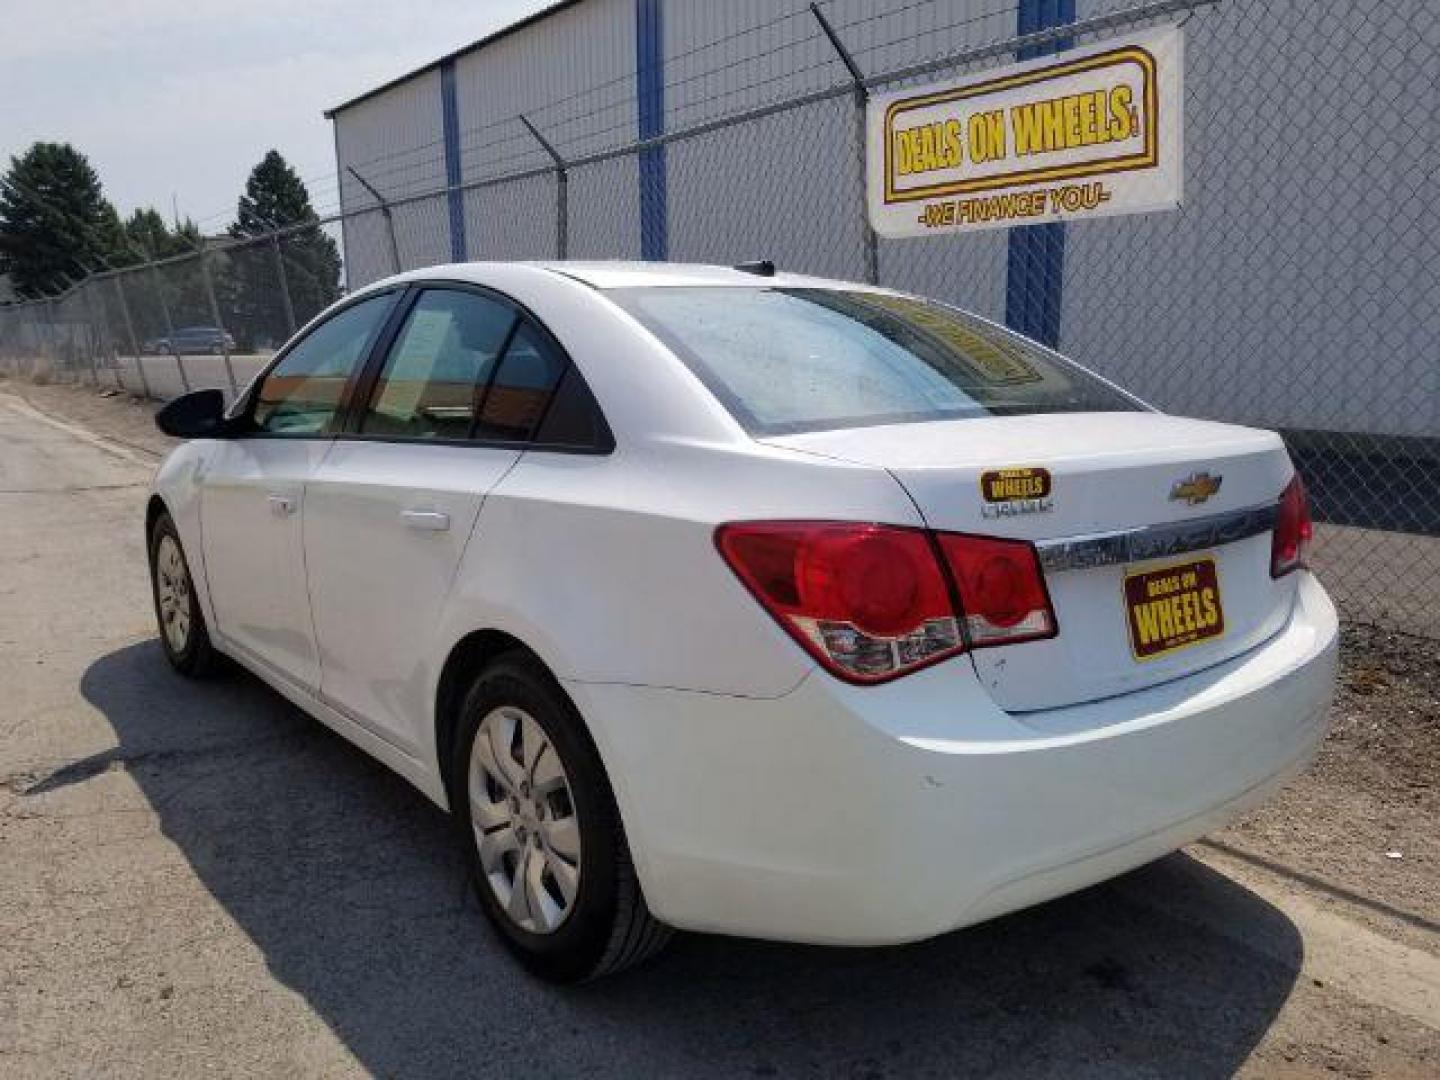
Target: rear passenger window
[[573, 419], [439, 366], [516, 400]]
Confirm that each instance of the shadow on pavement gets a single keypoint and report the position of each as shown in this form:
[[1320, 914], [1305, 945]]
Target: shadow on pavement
[[346, 880]]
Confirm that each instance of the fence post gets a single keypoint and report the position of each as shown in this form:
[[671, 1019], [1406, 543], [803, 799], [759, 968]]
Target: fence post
[[97, 336], [862, 99], [169, 334], [284, 282], [54, 321], [215, 314], [95, 298], [562, 189], [134, 343], [52, 330], [385, 211], [78, 343]]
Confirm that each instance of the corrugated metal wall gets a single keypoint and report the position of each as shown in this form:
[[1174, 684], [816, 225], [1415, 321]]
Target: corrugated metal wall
[[786, 188], [1285, 292], [395, 141], [547, 72]]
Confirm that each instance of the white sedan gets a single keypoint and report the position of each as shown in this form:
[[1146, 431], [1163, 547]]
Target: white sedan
[[746, 602]]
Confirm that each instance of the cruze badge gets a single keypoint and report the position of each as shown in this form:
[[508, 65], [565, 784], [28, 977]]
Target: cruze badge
[[1008, 492], [1195, 488]]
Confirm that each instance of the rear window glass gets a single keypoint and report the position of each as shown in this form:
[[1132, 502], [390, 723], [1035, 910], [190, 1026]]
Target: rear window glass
[[788, 360]]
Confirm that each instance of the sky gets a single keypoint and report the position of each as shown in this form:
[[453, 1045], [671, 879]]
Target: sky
[[183, 97]]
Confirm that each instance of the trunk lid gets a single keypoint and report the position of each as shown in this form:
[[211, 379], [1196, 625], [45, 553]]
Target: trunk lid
[[1153, 571]]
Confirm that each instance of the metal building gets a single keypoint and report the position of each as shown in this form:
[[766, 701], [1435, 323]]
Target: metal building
[[1297, 288]]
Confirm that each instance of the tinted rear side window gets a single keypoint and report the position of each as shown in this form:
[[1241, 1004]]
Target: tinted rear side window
[[787, 360], [521, 388], [573, 417]]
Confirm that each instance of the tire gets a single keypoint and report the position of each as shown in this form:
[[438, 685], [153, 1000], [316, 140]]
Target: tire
[[183, 634], [530, 815]]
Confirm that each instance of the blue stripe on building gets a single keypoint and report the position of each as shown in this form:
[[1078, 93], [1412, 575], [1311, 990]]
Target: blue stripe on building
[[650, 105], [450, 119], [1034, 277]]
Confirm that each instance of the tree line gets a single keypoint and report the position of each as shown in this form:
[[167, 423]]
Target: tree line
[[57, 227]]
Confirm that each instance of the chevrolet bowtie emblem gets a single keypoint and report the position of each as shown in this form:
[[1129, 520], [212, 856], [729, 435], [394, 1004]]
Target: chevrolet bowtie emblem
[[1196, 488]]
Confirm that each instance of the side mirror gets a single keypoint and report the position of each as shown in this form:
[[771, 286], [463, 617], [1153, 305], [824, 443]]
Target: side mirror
[[199, 414]]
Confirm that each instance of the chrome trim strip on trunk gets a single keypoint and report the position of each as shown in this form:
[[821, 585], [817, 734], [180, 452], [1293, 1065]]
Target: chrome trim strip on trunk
[[1154, 541]]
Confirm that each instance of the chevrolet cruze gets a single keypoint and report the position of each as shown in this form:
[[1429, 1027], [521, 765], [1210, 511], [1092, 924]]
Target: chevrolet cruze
[[745, 602]]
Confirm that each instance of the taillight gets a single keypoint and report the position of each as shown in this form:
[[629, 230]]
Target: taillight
[[1001, 587], [872, 602], [868, 601], [1290, 544]]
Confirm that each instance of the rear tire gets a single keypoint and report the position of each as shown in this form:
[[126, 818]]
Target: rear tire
[[183, 634], [541, 832]]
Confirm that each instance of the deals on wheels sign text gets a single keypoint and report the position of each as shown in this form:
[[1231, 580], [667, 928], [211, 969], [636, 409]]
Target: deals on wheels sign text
[[1084, 133]]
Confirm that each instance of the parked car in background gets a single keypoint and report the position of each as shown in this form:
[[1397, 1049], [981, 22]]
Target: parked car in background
[[746, 602], [192, 339]]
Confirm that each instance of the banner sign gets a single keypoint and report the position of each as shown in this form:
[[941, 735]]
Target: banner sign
[[1080, 134]]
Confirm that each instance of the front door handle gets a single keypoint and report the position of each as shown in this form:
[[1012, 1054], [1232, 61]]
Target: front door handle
[[427, 520], [281, 505]]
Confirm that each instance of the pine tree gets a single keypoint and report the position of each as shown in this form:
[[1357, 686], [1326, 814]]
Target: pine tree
[[178, 283], [54, 220], [276, 198], [147, 237]]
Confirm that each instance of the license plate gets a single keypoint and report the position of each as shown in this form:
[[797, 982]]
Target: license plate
[[1173, 607]]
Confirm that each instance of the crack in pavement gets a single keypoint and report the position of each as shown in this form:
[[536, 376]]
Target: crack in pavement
[[80, 488]]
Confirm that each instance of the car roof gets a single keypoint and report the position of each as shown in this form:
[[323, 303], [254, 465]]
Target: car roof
[[618, 274]]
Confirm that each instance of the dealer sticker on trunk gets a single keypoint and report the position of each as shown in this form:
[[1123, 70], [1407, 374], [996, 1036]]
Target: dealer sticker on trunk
[[1008, 492], [1173, 607]]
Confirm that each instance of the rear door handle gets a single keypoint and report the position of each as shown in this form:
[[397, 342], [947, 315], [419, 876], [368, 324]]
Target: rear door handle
[[281, 505], [427, 520]]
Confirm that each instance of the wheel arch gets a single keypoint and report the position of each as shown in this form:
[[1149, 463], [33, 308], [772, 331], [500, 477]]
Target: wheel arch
[[153, 509], [467, 657]]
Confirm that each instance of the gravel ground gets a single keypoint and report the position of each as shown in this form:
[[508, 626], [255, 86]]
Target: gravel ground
[[171, 907], [1365, 819]]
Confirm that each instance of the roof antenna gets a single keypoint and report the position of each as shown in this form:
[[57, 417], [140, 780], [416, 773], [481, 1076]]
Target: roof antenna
[[758, 267]]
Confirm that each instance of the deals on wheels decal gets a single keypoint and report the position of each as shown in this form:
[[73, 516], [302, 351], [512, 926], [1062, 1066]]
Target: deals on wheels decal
[[1088, 132], [1172, 607], [1015, 491]]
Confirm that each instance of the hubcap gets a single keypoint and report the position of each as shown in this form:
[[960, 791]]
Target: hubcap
[[173, 587], [524, 819]]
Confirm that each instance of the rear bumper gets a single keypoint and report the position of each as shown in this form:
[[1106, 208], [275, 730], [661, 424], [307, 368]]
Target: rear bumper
[[871, 815]]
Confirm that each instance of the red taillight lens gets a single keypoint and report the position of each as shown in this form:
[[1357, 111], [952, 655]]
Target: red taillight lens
[[872, 602], [1002, 589], [1290, 545], [869, 601]]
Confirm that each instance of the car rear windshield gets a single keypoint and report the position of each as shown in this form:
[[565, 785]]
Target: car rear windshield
[[787, 360]]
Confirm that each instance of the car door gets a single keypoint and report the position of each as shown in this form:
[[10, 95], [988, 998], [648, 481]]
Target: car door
[[391, 507], [253, 489]]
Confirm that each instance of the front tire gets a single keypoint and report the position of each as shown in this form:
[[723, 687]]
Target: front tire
[[542, 836], [183, 634]]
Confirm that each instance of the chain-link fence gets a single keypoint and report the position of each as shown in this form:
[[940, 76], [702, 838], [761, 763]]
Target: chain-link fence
[[1298, 288]]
